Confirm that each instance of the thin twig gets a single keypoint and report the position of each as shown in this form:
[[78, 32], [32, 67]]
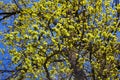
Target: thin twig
[[17, 4]]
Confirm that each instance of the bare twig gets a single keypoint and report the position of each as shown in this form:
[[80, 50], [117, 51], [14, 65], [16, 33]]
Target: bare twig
[[17, 4]]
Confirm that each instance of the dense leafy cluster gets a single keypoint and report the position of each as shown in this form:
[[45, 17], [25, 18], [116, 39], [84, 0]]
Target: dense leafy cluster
[[63, 39]]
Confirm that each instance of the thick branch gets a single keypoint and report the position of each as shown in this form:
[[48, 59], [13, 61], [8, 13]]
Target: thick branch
[[60, 60], [45, 67], [47, 72], [8, 14]]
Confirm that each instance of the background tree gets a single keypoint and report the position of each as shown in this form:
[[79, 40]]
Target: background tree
[[62, 39]]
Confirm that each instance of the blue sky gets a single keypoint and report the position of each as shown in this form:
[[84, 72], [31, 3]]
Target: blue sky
[[6, 58]]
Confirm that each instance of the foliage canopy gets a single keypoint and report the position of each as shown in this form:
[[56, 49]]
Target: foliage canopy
[[62, 39]]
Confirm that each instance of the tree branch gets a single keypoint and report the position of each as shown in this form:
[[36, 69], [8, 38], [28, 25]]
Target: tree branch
[[8, 14], [47, 72], [17, 4], [1, 71], [60, 60]]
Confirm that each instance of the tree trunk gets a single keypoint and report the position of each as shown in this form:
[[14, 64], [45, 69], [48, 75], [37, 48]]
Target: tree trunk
[[78, 73]]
